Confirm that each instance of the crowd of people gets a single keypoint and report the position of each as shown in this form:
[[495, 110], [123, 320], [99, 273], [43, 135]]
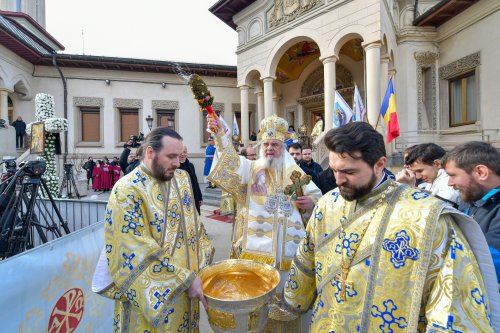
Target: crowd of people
[[358, 248], [102, 173]]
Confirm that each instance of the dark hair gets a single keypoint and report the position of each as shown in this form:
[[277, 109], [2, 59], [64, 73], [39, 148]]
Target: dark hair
[[409, 149], [470, 154], [155, 138], [294, 145], [356, 137], [243, 151], [425, 152]]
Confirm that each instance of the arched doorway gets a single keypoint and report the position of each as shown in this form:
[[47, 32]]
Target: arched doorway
[[349, 70], [312, 93]]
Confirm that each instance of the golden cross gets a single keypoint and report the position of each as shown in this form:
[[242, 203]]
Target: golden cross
[[344, 267]]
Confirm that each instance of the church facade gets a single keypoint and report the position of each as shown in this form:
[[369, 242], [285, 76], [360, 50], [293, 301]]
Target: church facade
[[294, 54], [105, 99]]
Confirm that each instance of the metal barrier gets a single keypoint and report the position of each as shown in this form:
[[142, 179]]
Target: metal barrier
[[77, 213]]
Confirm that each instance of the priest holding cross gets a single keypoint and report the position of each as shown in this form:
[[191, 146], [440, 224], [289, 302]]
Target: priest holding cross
[[275, 198]]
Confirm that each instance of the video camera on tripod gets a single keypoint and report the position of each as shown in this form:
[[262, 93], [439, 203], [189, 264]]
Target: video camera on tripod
[[19, 192], [136, 140]]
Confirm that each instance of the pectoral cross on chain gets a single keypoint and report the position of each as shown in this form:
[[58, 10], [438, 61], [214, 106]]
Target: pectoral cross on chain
[[344, 267]]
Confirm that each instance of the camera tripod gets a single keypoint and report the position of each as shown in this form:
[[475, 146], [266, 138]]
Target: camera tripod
[[18, 222], [68, 182]]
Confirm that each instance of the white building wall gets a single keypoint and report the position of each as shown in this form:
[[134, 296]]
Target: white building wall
[[128, 85], [472, 31]]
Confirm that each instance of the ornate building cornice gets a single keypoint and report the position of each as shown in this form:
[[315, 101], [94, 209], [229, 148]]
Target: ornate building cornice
[[319, 98], [461, 66], [218, 107], [164, 104], [416, 34], [236, 107], [88, 101], [127, 103]]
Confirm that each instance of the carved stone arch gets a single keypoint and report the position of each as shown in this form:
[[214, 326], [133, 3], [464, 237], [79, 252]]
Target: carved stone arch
[[255, 28], [249, 76], [21, 85], [3, 78], [241, 36], [286, 41], [315, 82]]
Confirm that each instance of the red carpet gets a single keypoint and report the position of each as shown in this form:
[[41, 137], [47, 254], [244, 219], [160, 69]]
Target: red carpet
[[226, 219]]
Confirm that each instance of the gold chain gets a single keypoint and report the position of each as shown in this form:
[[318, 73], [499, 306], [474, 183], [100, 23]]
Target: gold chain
[[345, 263]]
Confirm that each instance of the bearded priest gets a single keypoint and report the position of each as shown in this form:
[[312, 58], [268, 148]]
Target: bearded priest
[[379, 256], [270, 222]]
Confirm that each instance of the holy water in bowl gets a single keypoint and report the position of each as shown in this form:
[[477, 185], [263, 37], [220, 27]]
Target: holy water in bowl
[[237, 285], [238, 294]]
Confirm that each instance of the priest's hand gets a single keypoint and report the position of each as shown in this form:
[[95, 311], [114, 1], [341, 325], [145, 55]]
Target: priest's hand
[[305, 203], [406, 176], [214, 124], [196, 290]]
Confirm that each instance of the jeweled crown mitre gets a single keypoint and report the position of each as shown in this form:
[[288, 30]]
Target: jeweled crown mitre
[[273, 127]]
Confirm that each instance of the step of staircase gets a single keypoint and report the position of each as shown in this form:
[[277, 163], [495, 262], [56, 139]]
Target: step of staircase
[[211, 196]]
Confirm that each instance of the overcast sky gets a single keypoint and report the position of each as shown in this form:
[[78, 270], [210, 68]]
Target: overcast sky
[[176, 30]]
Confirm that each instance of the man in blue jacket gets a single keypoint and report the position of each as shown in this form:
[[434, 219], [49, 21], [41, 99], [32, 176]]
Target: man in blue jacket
[[474, 170]]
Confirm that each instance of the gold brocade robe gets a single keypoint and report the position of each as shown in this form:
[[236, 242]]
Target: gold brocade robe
[[414, 270], [317, 130], [155, 245], [265, 230]]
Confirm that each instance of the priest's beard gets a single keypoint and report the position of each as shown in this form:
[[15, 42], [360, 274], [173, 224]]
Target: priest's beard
[[353, 192], [273, 163], [160, 172]]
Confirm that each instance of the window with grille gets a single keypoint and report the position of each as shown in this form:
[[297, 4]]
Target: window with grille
[[91, 124], [463, 107], [129, 123]]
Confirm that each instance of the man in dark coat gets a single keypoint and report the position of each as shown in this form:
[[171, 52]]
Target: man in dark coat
[[326, 181], [89, 167], [309, 166], [128, 159], [20, 127], [189, 167]]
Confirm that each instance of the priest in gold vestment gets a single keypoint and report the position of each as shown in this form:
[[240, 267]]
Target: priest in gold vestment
[[269, 223], [155, 244], [379, 256]]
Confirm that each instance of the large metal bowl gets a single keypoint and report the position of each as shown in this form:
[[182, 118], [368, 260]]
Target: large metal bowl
[[238, 294]]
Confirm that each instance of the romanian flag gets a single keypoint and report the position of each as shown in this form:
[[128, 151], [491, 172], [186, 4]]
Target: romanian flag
[[388, 112]]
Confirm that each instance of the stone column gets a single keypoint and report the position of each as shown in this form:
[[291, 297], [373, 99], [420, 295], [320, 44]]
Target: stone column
[[384, 75], [268, 96], [4, 105], [244, 131], [330, 85], [276, 105], [300, 116], [260, 106], [372, 51]]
